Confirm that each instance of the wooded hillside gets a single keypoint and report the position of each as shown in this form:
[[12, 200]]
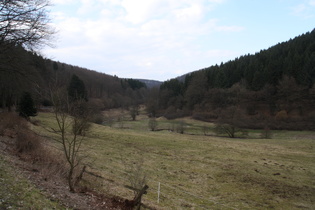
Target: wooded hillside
[[22, 71], [273, 87]]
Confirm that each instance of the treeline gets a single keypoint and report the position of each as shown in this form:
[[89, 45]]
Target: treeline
[[277, 83], [25, 71]]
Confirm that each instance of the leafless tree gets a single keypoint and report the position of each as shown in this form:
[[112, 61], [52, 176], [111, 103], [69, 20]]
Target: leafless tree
[[135, 172], [72, 122], [152, 123], [230, 122], [134, 111], [24, 23]]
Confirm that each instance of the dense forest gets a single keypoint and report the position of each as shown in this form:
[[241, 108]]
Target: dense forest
[[23, 70], [274, 87]]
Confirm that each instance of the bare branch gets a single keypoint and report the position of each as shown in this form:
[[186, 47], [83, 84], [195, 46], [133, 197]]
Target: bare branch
[[24, 23]]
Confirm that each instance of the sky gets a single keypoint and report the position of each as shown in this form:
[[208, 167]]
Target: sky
[[163, 39]]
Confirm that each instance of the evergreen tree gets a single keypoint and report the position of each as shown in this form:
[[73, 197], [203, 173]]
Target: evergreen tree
[[76, 89], [26, 106]]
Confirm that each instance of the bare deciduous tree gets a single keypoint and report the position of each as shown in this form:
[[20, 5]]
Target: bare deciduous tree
[[72, 122], [152, 123], [134, 111], [135, 173], [230, 122], [24, 23]]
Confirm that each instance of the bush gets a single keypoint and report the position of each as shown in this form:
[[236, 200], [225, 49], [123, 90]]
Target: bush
[[98, 119], [14, 126], [228, 129], [281, 115], [10, 123], [27, 141]]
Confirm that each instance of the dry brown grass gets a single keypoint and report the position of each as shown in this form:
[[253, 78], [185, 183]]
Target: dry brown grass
[[31, 147], [10, 123], [203, 171]]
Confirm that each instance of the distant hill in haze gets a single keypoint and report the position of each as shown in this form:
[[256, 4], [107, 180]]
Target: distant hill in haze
[[150, 83]]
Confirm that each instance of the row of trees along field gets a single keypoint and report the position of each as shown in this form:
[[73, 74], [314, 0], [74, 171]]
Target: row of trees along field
[[274, 87]]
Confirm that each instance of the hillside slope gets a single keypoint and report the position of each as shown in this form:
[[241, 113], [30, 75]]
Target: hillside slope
[[273, 84], [16, 191]]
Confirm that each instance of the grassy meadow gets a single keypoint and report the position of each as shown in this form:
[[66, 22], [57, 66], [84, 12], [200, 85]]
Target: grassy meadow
[[198, 171]]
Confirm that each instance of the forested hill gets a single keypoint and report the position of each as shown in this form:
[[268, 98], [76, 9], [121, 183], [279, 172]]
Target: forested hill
[[150, 83], [22, 70], [282, 74], [294, 58]]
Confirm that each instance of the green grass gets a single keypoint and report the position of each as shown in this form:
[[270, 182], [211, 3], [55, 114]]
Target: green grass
[[204, 172], [17, 192]]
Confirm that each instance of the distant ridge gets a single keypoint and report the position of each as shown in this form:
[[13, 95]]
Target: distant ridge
[[150, 83]]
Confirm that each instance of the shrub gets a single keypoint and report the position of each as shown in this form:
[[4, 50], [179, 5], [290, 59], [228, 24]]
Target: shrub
[[281, 115], [98, 119], [27, 141], [228, 129], [10, 123], [14, 126], [136, 173]]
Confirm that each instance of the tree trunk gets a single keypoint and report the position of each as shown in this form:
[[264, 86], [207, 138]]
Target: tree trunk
[[70, 183]]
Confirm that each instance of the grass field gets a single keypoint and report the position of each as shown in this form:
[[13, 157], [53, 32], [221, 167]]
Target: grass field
[[198, 171]]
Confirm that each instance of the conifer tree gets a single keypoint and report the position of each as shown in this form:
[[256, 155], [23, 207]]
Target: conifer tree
[[76, 89], [26, 106]]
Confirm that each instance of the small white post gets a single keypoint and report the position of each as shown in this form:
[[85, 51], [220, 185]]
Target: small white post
[[158, 198]]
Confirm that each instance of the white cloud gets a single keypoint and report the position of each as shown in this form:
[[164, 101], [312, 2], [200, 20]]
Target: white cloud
[[87, 6], [136, 37], [62, 2], [139, 11], [193, 12], [304, 10]]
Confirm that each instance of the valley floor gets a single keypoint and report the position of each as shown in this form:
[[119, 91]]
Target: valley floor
[[197, 171]]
